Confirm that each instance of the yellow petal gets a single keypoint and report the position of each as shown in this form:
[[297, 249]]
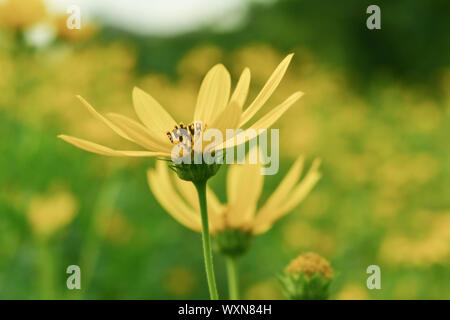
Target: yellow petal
[[145, 154], [264, 221], [165, 193], [140, 134], [282, 192], [213, 95], [244, 186], [99, 149], [102, 118], [241, 91], [151, 113], [266, 91]]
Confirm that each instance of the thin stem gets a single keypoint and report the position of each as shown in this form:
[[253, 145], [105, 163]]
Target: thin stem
[[233, 284], [46, 263], [201, 190]]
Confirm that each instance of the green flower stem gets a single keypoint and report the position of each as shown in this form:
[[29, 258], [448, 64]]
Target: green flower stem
[[46, 265], [201, 190], [233, 284]]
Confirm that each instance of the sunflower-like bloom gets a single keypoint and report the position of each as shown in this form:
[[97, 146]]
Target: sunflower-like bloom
[[244, 186], [159, 133], [50, 213], [19, 14]]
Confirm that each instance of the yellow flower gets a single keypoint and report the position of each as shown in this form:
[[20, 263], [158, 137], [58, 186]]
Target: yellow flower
[[244, 186], [19, 14], [214, 109], [307, 277], [50, 213], [429, 249]]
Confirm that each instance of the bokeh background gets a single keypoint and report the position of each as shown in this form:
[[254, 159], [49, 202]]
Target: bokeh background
[[376, 110]]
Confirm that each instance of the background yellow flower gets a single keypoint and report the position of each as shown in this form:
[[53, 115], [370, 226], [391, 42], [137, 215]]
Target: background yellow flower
[[49, 213]]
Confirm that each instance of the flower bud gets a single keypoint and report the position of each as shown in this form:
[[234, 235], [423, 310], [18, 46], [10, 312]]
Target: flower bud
[[307, 277], [232, 242]]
